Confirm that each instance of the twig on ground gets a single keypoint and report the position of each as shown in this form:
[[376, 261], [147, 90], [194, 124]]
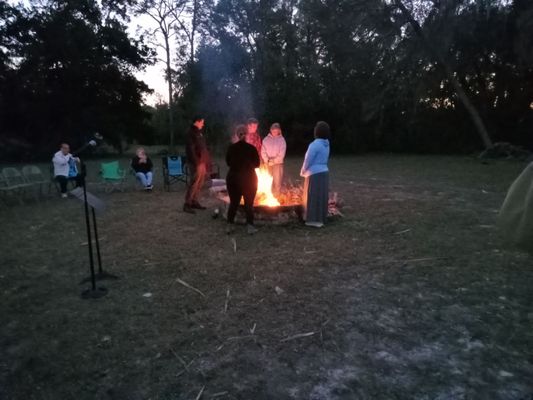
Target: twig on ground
[[240, 337], [322, 330], [181, 360], [234, 244], [425, 259], [190, 287], [298, 336], [200, 393], [402, 232], [226, 302], [252, 331], [101, 239], [219, 394]]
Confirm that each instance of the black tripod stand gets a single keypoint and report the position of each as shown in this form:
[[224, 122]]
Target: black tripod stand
[[93, 292]]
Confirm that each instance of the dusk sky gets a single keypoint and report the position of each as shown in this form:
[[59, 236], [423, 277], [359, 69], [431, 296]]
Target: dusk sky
[[152, 75]]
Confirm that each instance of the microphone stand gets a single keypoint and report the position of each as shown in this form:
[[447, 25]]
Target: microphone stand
[[101, 274], [93, 292]]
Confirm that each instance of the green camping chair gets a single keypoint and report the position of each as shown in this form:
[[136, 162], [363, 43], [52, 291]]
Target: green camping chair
[[113, 177]]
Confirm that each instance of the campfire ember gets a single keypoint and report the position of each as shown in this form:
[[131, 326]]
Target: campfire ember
[[264, 196], [267, 206]]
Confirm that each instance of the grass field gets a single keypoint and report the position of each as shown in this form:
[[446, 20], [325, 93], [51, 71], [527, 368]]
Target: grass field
[[410, 296]]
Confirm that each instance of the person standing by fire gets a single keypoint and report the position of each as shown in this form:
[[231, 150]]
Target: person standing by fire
[[197, 160], [241, 181], [252, 135], [273, 154], [316, 173]]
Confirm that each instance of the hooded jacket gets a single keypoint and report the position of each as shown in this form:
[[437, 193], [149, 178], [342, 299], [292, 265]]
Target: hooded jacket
[[316, 158], [273, 149]]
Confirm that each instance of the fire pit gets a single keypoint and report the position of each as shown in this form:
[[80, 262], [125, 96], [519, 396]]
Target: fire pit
[[271, 208], [266, 205]]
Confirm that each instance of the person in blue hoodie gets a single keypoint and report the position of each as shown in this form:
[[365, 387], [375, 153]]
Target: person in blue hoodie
[[316, 173]]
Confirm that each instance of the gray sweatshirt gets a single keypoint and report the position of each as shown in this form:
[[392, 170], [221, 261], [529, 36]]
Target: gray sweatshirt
[[273, 149]]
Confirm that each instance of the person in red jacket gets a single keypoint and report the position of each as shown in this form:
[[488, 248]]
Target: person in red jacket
[[197, 160], [252, 135]]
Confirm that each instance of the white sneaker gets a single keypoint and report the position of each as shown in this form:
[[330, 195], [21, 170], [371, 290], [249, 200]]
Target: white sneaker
[[315, 224], [64, 195]]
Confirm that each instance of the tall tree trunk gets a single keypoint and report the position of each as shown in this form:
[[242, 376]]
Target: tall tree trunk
[[194, 26], [460, 91], [169, 81]]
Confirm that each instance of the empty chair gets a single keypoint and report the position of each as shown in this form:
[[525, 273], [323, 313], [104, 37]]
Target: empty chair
[[34, 175], [14, 182], [113, 176], [173, 171]]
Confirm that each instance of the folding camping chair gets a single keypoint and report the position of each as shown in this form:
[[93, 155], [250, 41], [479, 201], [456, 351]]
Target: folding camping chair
[[14, 181], [112, 176], [174, 170], [34, 175]]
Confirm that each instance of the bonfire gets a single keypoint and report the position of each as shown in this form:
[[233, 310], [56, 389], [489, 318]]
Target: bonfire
[[265, 201]]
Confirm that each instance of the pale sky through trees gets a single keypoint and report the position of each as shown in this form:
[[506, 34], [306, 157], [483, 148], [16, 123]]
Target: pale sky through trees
[[153, 75]]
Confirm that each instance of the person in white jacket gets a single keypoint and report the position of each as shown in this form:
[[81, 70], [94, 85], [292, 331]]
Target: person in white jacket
[[65, 168], [273, 155]]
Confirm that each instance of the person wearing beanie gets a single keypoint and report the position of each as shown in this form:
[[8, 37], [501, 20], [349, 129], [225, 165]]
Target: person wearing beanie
[[273, 155], [241, 180], [316, 173]]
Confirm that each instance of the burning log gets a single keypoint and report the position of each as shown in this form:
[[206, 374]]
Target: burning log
[[269, 207]]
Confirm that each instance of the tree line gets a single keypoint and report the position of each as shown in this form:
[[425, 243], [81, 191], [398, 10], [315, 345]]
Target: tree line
[[433, 76]]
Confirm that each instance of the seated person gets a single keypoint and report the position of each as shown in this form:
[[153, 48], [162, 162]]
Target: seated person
[[65, 168], [142, 165]]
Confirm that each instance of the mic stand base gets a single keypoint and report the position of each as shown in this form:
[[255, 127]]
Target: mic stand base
[[100, 276], [93, 294]]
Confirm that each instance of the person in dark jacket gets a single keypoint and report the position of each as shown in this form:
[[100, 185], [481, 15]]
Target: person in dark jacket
[[242, 159], [142, 165], [197, 160]]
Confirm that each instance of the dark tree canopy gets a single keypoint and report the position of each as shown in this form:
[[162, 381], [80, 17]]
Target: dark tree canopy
[[360, 65], [389, 75], [67, 72]]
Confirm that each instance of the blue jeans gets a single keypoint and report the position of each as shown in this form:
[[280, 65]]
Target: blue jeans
[[145, 178]]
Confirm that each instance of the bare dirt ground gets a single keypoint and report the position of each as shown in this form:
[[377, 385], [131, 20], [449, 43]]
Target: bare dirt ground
[[410, 296]]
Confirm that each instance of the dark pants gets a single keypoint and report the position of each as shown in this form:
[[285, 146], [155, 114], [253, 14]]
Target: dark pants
[[198, 173], [63, 181], [238, 187]]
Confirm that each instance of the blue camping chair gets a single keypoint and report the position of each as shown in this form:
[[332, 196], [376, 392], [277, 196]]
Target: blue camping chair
[[174, 170]]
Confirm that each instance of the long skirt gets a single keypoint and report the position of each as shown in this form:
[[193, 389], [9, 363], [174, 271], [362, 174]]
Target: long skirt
[[315, 197]]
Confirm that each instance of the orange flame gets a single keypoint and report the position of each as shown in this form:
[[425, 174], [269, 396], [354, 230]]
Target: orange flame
[[264, 196]]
